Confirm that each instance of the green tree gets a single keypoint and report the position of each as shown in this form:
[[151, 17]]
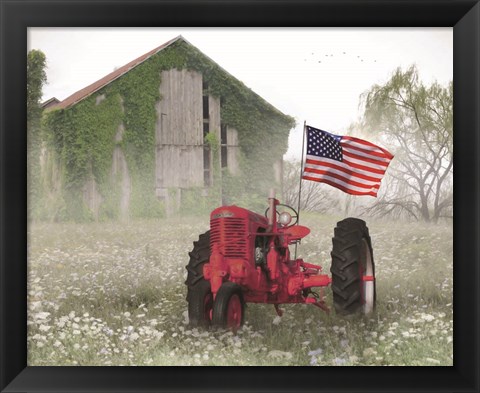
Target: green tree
[[36, 79], [416, 122]]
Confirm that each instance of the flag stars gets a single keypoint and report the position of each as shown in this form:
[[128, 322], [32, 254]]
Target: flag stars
[[324, 144]]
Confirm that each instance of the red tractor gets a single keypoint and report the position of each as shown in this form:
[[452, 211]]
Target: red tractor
[[245, 257]]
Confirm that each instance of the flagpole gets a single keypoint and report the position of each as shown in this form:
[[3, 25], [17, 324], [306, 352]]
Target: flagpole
[[301, 171], [300, 184]]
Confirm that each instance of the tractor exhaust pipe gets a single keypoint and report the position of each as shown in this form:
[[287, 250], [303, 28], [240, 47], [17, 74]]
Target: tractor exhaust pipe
[[271, 210]]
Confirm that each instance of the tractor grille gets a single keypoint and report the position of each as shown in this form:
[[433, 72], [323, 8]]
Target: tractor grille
[[231, 234]]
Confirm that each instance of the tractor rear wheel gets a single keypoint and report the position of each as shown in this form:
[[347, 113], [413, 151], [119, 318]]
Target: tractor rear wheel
[[199, 295], [229, 307], [353, 268]]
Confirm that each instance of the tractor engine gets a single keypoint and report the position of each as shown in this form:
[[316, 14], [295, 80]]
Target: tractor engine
[[246, 250], [237, 252]]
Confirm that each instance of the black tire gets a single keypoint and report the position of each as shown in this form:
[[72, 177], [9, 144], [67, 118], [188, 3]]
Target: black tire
[[229, 307], [200, 305], [197, 287], [352, 258]]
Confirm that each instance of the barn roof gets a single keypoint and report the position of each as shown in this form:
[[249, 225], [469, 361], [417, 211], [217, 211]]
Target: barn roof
[[90, 89], [50, 102], [94, 87]]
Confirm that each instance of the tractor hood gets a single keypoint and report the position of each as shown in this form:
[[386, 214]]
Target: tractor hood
[[237, 212]]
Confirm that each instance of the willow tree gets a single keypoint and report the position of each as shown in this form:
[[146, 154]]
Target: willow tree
[[417, 122]]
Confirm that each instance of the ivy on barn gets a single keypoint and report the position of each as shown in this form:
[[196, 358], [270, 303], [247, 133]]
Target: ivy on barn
[[83, 135]]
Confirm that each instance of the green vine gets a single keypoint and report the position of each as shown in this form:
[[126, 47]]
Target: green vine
[[83, 135]]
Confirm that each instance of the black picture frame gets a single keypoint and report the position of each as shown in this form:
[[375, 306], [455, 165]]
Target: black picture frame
[[17, 16]]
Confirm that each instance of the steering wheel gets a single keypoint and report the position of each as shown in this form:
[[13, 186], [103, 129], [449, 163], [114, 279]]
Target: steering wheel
[[286, 209]]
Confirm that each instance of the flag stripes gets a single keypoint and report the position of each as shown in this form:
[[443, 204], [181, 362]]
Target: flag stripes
[[318, 165], [338, 176], [363, 152], [352, 141], [348, 190], [357, 158]]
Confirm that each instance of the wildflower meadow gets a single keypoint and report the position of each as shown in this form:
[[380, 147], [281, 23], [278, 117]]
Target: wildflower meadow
[[114, 294]]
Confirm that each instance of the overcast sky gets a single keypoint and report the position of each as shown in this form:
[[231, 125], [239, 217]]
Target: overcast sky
[[312, 74]]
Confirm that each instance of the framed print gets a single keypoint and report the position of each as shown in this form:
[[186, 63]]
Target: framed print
[[98, 232]]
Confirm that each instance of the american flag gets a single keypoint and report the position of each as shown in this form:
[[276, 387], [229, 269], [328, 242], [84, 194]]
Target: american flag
[[350, 164]]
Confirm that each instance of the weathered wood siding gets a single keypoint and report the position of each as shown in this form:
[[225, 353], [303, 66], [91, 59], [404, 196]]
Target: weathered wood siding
[[179, 131], [91, 195], [233, 150], [214, 125], [278, 173]]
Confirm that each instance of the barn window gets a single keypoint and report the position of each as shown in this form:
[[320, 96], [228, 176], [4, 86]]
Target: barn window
[[205, 107], [223, 134], [224, 157]]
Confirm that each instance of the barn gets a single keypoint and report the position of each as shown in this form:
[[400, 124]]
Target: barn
[[169, 131]]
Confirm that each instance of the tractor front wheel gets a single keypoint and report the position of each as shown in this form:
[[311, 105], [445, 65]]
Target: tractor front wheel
[[353, 268], [229, 307], [199, 295]]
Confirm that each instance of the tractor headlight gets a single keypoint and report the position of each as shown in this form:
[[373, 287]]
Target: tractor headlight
[[285, 218]]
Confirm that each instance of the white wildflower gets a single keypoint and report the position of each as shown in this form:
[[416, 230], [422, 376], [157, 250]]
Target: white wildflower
[[339, 361], [41, 315], [428, 317], [315, 352], [279, 354], [369, 352], [343, 343], [134, 336]]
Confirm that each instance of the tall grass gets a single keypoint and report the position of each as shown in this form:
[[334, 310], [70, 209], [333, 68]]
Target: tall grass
[[111, 294]]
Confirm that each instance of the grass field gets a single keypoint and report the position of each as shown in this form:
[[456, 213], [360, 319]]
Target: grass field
[[114, 294]]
